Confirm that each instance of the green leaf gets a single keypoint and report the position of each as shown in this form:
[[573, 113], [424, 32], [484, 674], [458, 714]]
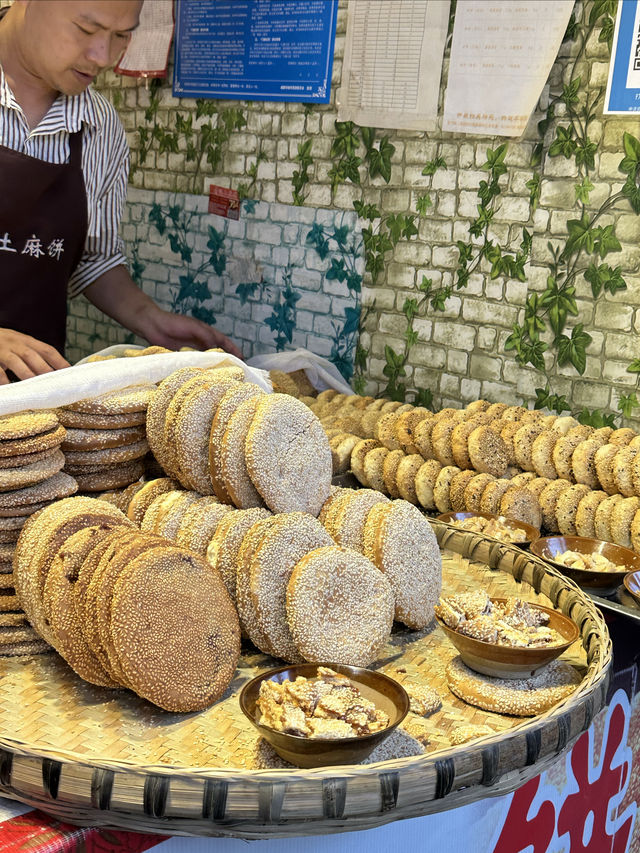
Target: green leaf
[[605, 241], [572, 29], [542, 396], [585, 153], [631, 191], [580, 236], [380, 160], [559, 300], [570, 91], [423, 203], [573, 350], [534, 186], [603, 277], [583, 189], [423, 397], [411, 337], [627, 403], [631, 147], [433, 165], [316, 238], [368, 137], [563, 143], [336, 271], [536, 154], [634, 367], [346, 142], [410, 308], [606, 33], [601, 7]]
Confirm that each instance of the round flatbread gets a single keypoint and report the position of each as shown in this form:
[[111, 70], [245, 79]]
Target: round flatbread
[[182, 655], [288, 455], [339, 607], [521, 697], [399, 540]]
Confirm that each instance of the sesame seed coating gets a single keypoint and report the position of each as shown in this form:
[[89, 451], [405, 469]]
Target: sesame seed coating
[[358, 455], [143, 499], [226, 542], [339, 607], [522, 697], [284, 544], [602, 520], [390, 465], [406, 550], [175, 630], [487, 451], [113, 477], [29, 475], [623, 470], [27, 424], [346, 521], [32, 444], [107, 456], [406, 476], [603, 461], [99, 439], [59, 485], [199, 523], [227, 406], [586, 513], [135, 398], [288, 455], [157, 410], [84, 420]]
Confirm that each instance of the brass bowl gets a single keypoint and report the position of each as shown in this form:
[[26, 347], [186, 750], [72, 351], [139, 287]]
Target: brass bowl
[[527, 531], [386, 694], [601, 582], [513, 661]]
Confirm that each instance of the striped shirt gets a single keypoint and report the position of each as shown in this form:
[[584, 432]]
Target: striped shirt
[[105, 166]]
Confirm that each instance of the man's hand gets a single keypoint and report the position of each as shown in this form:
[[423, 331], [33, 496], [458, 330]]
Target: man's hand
[[26, 356], [176, 330]]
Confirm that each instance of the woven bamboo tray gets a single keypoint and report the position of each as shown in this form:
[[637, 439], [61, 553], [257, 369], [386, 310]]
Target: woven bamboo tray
[[96, 757]]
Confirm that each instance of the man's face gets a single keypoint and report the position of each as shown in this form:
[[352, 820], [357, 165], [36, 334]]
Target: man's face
[[66, 43]]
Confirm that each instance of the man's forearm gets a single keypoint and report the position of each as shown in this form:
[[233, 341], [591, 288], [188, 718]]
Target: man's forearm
[[116, 293]]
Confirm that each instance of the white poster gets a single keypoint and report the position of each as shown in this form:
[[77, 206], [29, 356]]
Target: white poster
[[147, 54], [392, 63], [501, 56]]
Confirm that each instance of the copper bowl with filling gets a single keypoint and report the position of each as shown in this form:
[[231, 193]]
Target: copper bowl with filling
[[502, 661], [526, 532], [548, 548], [385, 693]]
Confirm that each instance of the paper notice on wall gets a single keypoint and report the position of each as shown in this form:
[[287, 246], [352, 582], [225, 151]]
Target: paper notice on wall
[[392, 63], [501, 56], [623, 85], [148, 52]]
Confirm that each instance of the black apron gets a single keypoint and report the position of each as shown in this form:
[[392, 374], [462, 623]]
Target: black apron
[[43, 227]]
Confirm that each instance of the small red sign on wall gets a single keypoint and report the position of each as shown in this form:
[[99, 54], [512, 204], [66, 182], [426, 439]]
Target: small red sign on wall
[[224, 202]]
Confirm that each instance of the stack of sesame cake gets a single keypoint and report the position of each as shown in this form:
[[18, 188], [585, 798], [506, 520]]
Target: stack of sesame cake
[[105, 443], [125, 608], [30, 479], [220, 436]]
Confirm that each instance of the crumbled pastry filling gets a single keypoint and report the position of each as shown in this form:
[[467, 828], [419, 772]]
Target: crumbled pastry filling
[[330, 706], [491, 527], [511, 623], [588, 562]]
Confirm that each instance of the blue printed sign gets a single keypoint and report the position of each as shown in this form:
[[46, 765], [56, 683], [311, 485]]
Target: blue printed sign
[[256, 50], [623, 88]]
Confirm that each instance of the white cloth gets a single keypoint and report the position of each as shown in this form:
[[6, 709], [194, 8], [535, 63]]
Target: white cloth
[[321, 373], [89, 379]]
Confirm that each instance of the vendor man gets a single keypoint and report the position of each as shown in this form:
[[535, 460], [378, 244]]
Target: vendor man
[[64, 165]]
